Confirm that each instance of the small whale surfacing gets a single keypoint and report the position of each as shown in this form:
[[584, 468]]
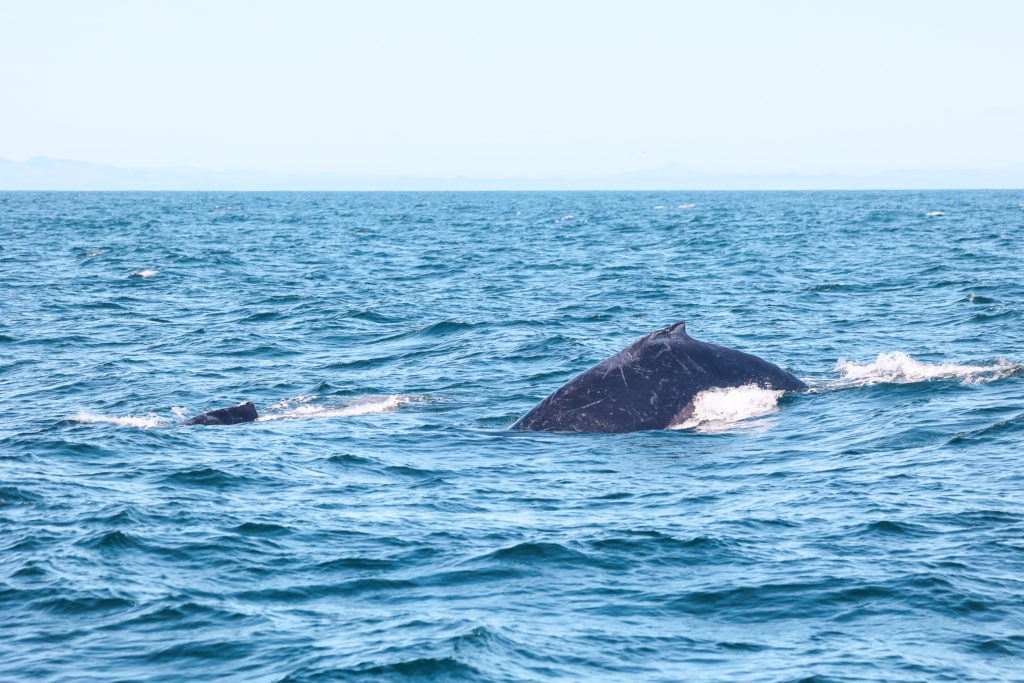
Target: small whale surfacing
[[651, 384], [243, 412]]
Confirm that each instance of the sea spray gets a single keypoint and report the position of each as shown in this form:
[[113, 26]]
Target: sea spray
[[898, 367]]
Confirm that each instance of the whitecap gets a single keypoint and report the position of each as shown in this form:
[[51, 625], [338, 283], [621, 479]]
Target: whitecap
[[300, 408], [935, 214], [721, 407], [898, 367], [289, 403], [145, 273], [138, 421], [686, 206]]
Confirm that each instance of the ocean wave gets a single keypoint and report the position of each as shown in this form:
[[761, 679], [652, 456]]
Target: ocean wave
[[144, 273], [209, 477], [722, 407], [899, 368], [439, 329], [537, 552], [84, 603], [112, 541], [432, 668], [12, 495], [989, 432], [147, 421]]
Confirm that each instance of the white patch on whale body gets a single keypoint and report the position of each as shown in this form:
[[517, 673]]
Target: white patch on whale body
[[720, 407]]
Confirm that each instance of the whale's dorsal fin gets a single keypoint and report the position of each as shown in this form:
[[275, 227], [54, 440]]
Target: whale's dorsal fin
[[677, 330]]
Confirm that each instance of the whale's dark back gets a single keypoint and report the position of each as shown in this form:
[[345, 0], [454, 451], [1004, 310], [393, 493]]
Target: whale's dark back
[[243, 412], [650, 385]]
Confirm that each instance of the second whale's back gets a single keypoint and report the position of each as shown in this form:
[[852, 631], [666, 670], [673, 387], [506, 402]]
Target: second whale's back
[[243, 412]]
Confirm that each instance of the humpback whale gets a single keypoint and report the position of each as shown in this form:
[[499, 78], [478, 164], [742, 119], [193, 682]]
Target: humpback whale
[[651, 384], [243, 412]]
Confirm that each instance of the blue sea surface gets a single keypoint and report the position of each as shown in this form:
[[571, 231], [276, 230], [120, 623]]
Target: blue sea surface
[[381, 523]]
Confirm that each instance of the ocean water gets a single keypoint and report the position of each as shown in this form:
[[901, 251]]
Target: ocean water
[[380, 522]]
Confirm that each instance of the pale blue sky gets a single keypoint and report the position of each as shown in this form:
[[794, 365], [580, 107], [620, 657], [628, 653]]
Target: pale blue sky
[[535, 89]]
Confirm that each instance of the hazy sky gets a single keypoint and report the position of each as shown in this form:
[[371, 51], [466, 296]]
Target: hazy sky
[[535, 89]]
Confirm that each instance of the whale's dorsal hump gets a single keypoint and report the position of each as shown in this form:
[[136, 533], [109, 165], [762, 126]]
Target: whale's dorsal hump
[[651, 384], [674, 331]]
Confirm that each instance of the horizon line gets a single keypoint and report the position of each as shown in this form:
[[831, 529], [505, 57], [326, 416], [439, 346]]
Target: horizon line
[[511, 190], [52, 174]]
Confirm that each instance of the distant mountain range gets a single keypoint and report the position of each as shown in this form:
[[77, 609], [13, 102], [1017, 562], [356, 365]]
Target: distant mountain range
[[60, 174]]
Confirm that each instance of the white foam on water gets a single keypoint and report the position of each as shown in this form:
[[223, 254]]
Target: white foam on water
[[299, 408], [145, 273], [721, 407], [137, 421], [289, 403], [686, 206], [934, 214], [898, 367]]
